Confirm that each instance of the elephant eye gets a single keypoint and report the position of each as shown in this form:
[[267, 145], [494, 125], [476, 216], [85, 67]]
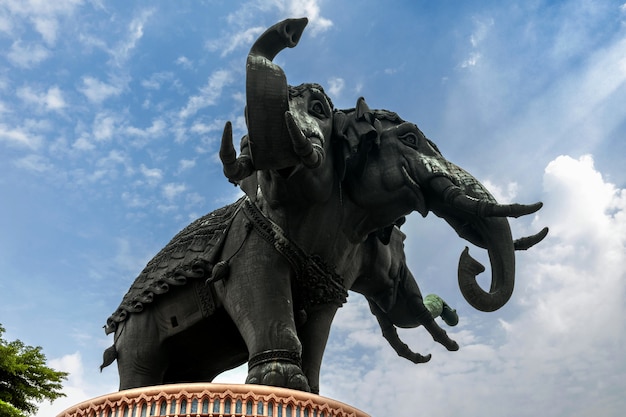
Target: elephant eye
[[409, 139], [317, 109]]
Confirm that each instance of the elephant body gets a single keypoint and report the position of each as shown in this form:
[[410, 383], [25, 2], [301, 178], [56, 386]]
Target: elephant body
[[261, 280], [178, 307]]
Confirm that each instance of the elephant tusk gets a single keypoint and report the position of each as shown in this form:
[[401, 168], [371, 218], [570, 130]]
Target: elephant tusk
[[421, 207], [530, 241], [235, 169], [311, 154], [511, 210], [457, 198]]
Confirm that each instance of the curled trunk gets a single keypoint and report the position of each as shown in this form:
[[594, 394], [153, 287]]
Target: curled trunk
[[497, 236]]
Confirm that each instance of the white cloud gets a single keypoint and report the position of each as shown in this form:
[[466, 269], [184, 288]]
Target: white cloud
[[155, 130], [482, 26], [185, 164], [134, 200], [44, 15], [167, 208], [76, 388], [6, 24], [216, 125], [471, 61], [481, 30], [49, 100], [502, 194], [82, 143], [335, 86], [156, 80], [209, 94], [21, 136], [54, 99], [193, 200], [127, 257], [173, 190], [152, 175], [35, 163], [114, 157], [108, 168], [27, 55], [576, 185], [121, 52], [97, 91], [47, 27], [73, 388], [234, 40], [105, 125], [184, 62]]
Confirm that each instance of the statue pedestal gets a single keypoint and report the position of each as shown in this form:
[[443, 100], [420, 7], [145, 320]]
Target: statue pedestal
[[211, 400]]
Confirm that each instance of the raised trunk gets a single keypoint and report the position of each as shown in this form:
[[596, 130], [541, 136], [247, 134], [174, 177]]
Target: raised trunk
[[267, 97]]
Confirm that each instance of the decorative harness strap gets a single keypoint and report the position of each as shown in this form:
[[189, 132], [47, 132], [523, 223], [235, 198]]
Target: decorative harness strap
[[317, 282]]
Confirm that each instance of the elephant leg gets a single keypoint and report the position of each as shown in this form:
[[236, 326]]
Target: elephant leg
[[426, 318], [391, 335], [439, 335], [210, 347], [141, 359], [257, 296], [313, 336]]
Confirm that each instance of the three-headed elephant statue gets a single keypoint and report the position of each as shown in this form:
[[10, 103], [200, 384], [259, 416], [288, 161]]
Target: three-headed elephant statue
[[260, 280]]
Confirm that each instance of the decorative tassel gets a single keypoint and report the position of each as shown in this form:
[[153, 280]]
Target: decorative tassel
[[220, 272], [108, 357]]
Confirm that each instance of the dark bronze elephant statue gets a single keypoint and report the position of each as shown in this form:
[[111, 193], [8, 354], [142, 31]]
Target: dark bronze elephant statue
[[261, 279]]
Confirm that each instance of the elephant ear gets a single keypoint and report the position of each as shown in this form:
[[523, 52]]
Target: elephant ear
[[355, 132], [384, 234], [341, 146]]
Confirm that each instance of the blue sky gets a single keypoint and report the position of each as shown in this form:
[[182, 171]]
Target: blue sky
[[110, 117]]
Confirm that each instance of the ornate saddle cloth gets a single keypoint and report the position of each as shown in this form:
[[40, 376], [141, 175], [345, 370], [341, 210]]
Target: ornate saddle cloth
[[190, 255]]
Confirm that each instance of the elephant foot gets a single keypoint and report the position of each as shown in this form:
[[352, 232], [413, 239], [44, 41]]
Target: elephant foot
[[277, 368], [418, 358], [445, 340], [278, 374], [440, 336]]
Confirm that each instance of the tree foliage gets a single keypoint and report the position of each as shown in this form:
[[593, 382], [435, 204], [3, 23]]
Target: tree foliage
[[25, 379]]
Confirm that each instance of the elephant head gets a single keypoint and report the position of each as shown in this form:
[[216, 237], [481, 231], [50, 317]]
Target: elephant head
[[380, 154]]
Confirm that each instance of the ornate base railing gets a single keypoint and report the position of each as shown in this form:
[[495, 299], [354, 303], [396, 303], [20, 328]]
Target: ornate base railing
[[211, 400]]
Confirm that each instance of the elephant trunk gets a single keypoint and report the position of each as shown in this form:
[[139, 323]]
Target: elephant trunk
[[497, 235], [477, 217], [267, 97]]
